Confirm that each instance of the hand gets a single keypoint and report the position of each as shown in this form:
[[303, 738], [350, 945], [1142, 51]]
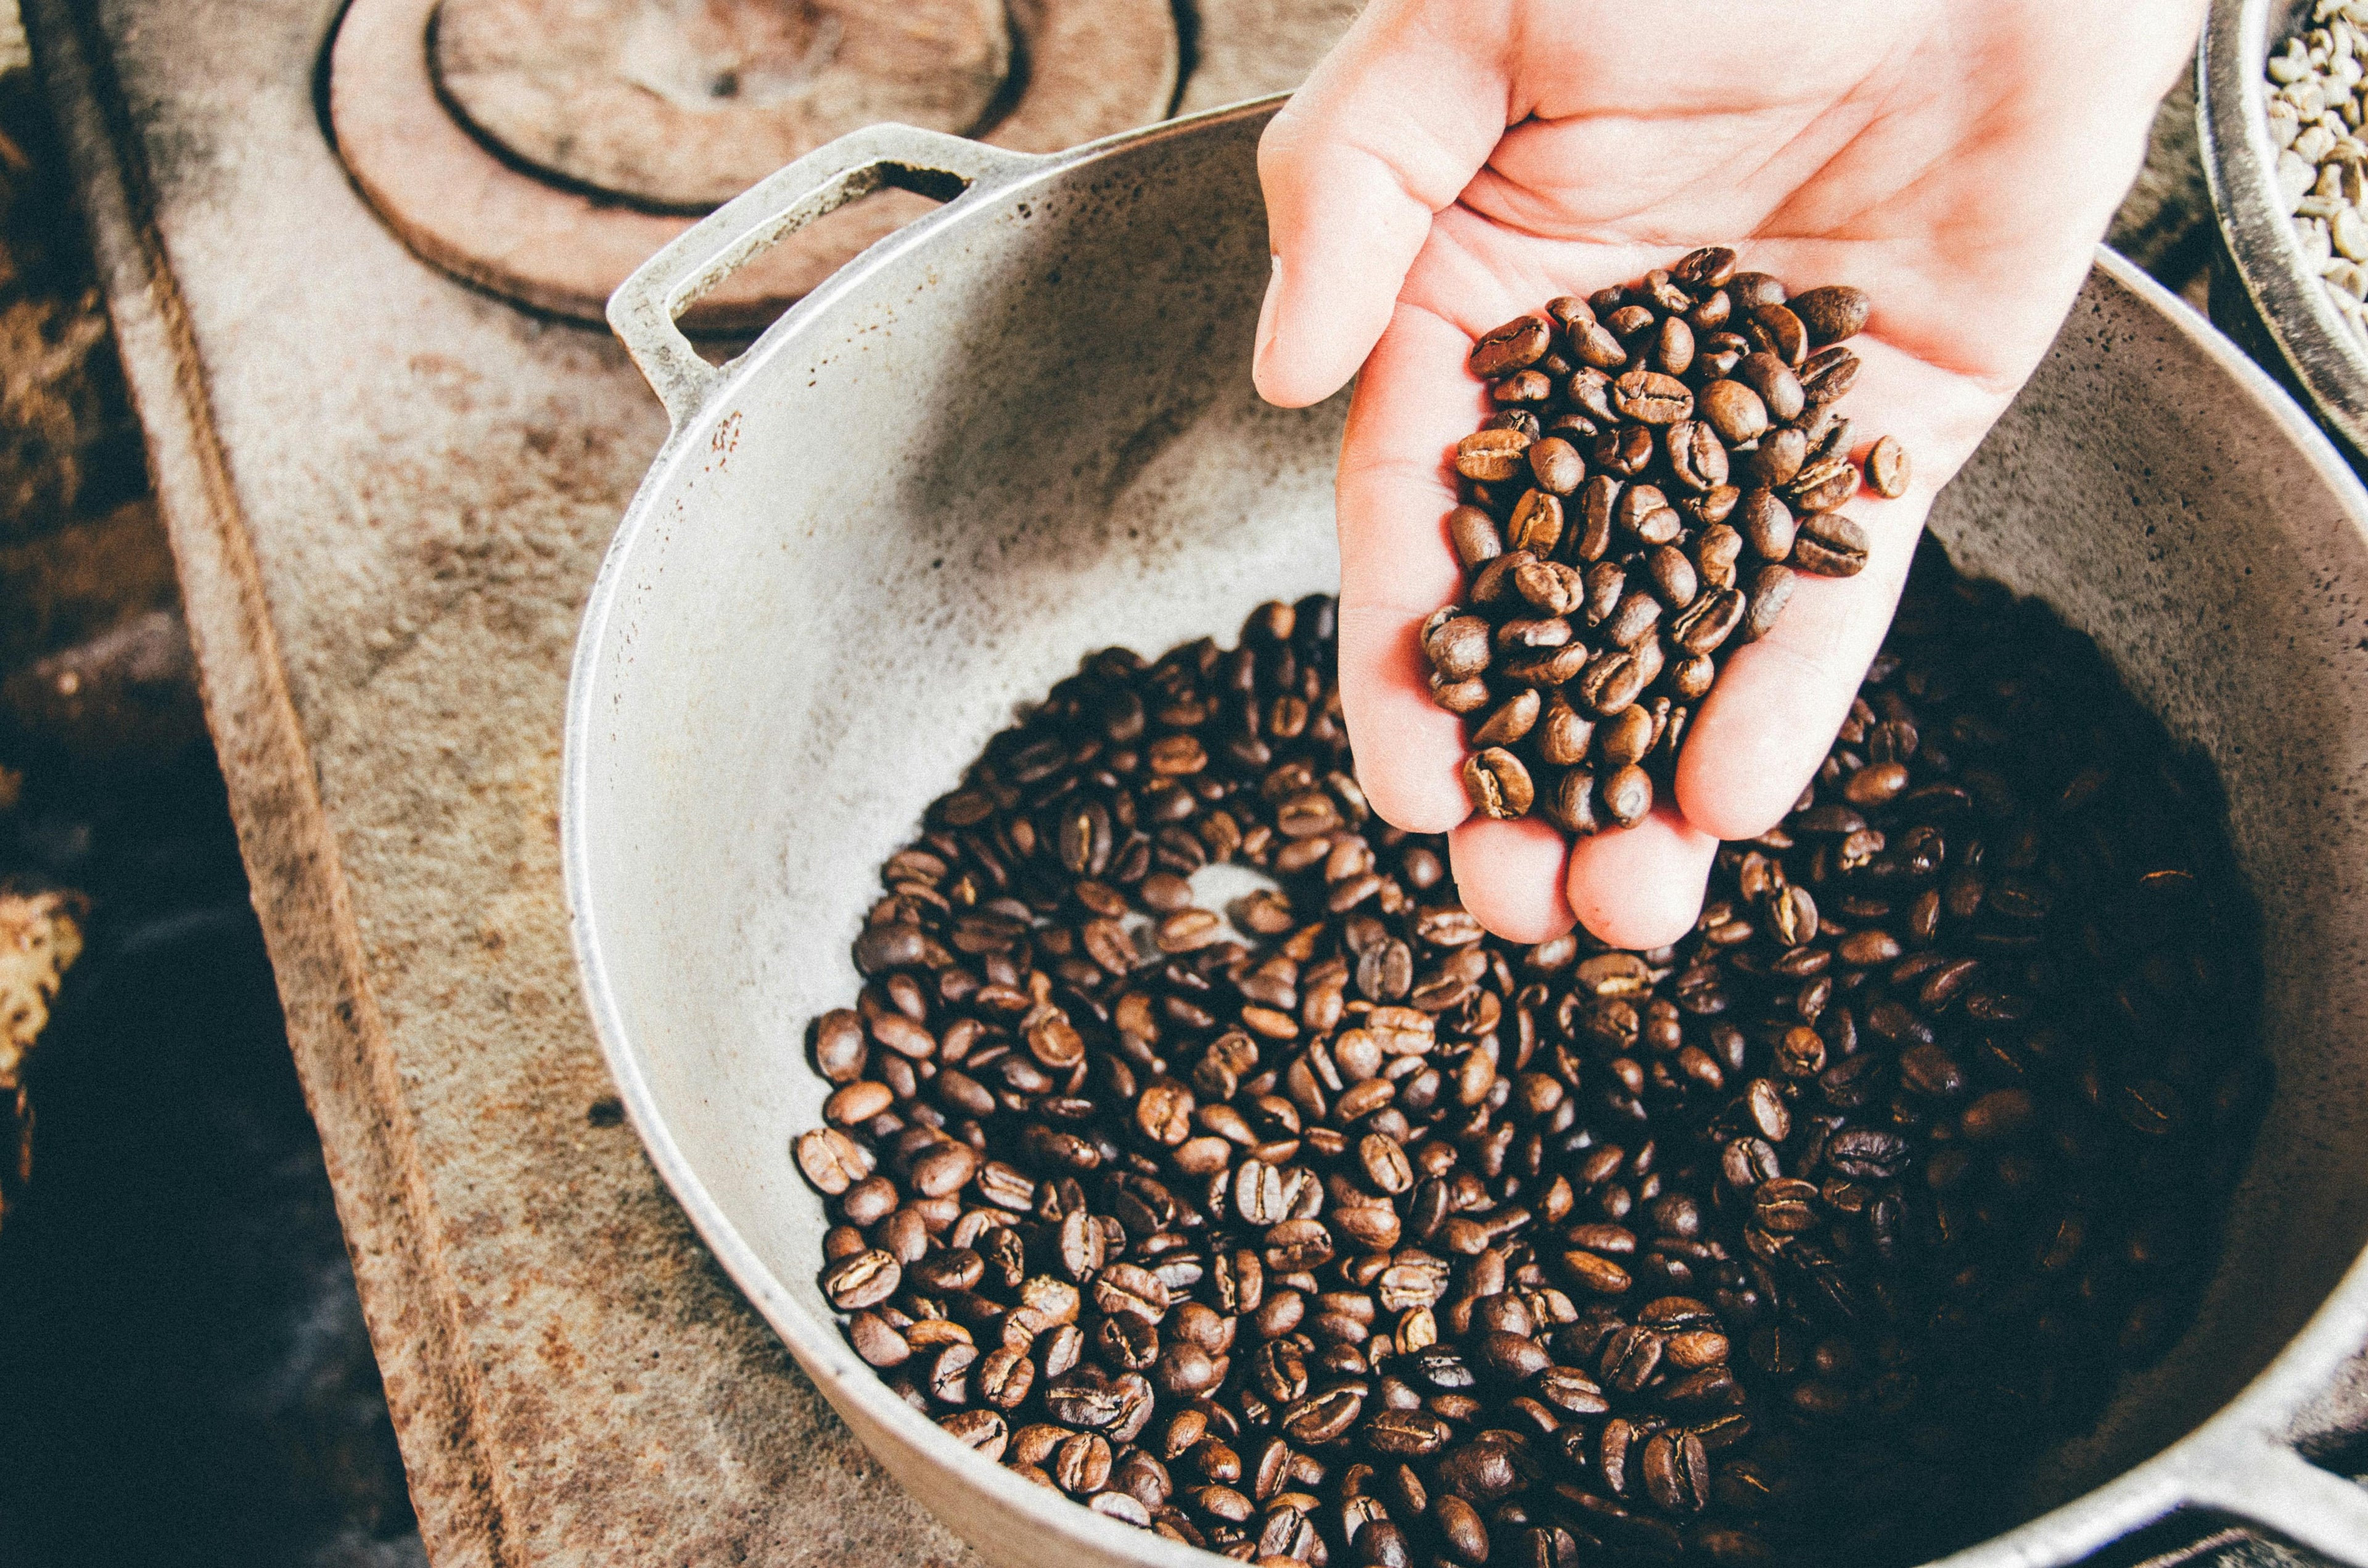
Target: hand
[[1453, 164]]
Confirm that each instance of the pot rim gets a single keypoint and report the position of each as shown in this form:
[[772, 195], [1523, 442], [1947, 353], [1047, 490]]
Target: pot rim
[[2328, 360], [2240, 1448]]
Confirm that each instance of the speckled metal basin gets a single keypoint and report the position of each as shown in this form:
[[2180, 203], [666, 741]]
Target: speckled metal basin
[[1023, 428], [2263, 291]]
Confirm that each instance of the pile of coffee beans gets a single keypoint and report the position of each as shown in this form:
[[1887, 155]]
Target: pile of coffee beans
[[1325, 1227], [1664, 458]]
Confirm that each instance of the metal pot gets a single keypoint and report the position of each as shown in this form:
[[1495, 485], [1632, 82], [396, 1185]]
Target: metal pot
[[1023, 428], [2264, 292]]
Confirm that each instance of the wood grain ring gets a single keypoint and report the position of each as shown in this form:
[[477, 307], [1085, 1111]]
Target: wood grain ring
[[1095, 67]]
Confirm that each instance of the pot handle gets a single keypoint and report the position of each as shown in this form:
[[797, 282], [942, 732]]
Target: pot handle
[[645, 309]]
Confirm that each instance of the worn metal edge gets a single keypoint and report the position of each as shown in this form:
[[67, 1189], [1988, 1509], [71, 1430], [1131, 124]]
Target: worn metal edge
[[343, 1055]]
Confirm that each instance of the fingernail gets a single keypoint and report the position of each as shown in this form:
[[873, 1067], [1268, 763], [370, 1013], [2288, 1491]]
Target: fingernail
[[1267, 307]]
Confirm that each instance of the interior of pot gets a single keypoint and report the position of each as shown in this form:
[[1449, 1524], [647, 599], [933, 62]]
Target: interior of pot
[[971, 463]]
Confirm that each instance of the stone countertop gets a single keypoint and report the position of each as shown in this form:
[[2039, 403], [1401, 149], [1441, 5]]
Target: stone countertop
[[388, 495]]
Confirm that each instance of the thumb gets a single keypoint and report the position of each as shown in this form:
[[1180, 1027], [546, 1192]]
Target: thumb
[[1387, 132]]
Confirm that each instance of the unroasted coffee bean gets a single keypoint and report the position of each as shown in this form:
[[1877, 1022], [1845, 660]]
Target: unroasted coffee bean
[[1829, 545], [1280, 1229]]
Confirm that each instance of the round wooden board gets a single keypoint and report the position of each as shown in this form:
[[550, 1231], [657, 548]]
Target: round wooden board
[[1096, 67], [684, 105]]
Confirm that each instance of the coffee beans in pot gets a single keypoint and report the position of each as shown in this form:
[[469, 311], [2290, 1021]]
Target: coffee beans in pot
[[1323, 1227], [1622, 512]]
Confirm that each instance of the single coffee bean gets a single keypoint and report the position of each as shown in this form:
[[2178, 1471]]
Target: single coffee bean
[[1537, 523], [1696, 459], [1515, 346], [1716, 552], [1829, 545], [1733, 409], [1827, 375], [1626, 737], [1556, 466], [1475, 536], [1754, 291], [1832, 313], [1522, 386], [1496, 783], [1564, 733], [1492, 455], [1778, 458], [1573, 807], [1705, 625], [1630, 323], [1627, 796], [1887, 469], [1767, 524], [1649, 397], [1774, 329], [1672, 576], [1513, 718], [1821, 484], [1673, 346], [1549, 587], [1706, 268], [1772, 590], [1458, 645], [1770, 375]]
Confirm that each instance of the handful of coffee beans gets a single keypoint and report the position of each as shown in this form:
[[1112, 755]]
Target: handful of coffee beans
[[1324, 1228], [1665, 458]]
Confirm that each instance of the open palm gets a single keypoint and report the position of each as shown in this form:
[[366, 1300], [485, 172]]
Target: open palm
[[1456, 162]]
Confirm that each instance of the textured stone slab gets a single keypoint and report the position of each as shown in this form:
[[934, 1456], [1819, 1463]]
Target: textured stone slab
[[387, 495]]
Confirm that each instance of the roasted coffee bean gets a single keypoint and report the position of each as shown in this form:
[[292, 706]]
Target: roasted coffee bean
[[1832, 313], [1808, 1224], [1649, 397], [1887, 467], [1496, 783], [1778, 459], [1823, 483], [1827, 376], [1772, 590], [1475, 536], [1556, 466], [1770, 376], [1697, 459], [1492, 455], [1515, 346], [1829, 545], [1734, 411], [1537, 524], [1775, 329], [1458, 646]]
